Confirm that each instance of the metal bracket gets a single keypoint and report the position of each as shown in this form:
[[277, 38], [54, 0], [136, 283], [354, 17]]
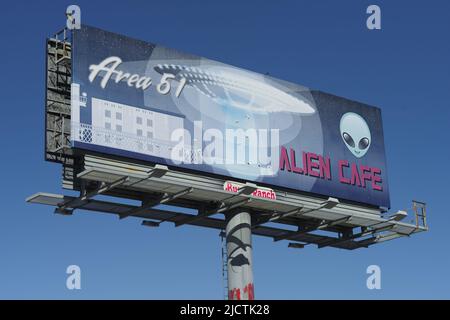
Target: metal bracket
[[322, 225], [246, 189], [78, 202], [329, 204], [161, 200], [296, 245], [205, 213], [355, 236]]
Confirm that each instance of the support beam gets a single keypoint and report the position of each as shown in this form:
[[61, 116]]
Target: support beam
[[296, 245], [352, 237], [275, 216], [388, 237], [329, 204], [285, 215], [323, 225], [150, 204], [150, 223], [206, 213], [335, 222], [378, 239], [157, 172], [77, 202], [239, 255]]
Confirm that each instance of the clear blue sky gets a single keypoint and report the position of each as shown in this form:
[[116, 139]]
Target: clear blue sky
[[404, 69]]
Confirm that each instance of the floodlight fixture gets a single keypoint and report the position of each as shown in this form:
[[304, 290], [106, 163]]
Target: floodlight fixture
[[399, 215], [158, 171], [330, 203], [248, 189]]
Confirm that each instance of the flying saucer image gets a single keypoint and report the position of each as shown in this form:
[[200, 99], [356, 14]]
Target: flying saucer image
[[228, 86], [226, 98]]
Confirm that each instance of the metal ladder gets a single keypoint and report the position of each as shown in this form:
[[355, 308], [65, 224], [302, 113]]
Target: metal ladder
[[420, 212], [224, 264]]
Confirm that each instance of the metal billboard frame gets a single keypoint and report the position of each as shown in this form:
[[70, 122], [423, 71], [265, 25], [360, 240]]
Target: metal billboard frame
[[155, 185]]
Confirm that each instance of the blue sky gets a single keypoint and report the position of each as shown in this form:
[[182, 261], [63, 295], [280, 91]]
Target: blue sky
[[403, 68]]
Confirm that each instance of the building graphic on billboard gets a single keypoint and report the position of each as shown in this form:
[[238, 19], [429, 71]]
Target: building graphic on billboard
[[119, 126]]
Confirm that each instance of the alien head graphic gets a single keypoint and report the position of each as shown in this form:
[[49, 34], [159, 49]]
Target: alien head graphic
[[356, 134]]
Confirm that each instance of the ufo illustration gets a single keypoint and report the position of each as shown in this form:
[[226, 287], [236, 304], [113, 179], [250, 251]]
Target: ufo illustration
[[239, 89]]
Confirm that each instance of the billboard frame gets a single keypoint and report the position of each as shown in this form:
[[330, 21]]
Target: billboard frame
[[369, 194], [295, 216]]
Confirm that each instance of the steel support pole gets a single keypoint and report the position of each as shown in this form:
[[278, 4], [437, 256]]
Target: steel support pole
[[239, 255]]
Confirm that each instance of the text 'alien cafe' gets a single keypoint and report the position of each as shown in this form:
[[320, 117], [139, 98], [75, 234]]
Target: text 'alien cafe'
[[318, 166]]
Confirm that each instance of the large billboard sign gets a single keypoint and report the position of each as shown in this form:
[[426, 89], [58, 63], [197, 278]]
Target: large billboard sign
[[147, 102]]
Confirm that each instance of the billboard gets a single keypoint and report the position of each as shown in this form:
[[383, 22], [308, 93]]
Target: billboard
[[143, 101]]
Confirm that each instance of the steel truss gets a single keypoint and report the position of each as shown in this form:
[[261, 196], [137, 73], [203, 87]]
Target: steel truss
[[300, 219]]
